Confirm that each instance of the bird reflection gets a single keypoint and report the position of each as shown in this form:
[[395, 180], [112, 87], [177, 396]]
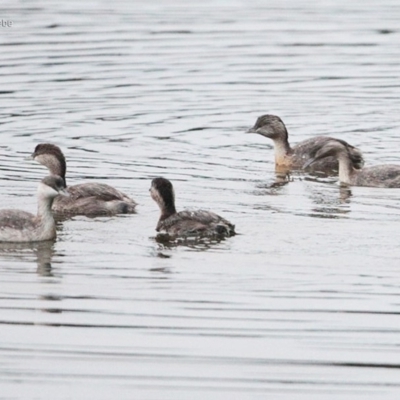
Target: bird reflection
[[166, 242], [328, 204], [51, 308], [281, 179], [43, 252], [326, 201], [345, 194]]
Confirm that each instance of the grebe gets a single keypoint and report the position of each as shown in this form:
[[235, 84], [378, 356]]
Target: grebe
[[296, 157], [383, 176], [89, 199], [186, 223], [21, 226]]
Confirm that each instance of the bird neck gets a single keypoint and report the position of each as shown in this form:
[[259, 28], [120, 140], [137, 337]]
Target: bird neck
[[346, 169], [167, 211], [282, 151], [54, 165], [44, 209]]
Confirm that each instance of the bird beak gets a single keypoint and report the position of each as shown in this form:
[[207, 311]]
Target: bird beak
[[30, 157], [251, 130]]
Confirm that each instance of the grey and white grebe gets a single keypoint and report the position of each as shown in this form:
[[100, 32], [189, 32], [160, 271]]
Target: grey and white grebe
[[383, 176], [21, 226], [91, 199]]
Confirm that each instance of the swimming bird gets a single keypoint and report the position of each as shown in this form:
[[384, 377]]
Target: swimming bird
[[198, 223], [383, 176], [91, 199], [21, 226], [296, 157]]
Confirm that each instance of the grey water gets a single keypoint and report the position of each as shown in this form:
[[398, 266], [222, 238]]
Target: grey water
[[303, 303]]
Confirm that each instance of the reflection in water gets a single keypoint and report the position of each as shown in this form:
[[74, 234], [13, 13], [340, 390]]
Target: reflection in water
[[345, 194], [295, 305], [328, 203], [281, 178], [50, 298], [274, 187], [323, 192], [167, 243], [43, 251]]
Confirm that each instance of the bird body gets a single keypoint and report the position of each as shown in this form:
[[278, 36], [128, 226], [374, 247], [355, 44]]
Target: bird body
[[188, 222], [91, 199], [298, 156], [21, 226], [384, 176]]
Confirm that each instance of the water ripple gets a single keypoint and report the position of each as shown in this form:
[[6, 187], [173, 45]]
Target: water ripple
[[303, 302]]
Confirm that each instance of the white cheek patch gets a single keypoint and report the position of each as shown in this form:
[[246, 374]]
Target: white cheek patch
[[47, 191], [47, 160], [155, 195], [41, 159]]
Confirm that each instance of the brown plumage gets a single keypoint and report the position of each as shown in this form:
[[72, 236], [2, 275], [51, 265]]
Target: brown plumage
[[383, 176], [89, 199], [198, 223], [297, 157]]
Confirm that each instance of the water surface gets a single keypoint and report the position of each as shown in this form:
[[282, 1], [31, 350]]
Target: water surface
[[303, 303]]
